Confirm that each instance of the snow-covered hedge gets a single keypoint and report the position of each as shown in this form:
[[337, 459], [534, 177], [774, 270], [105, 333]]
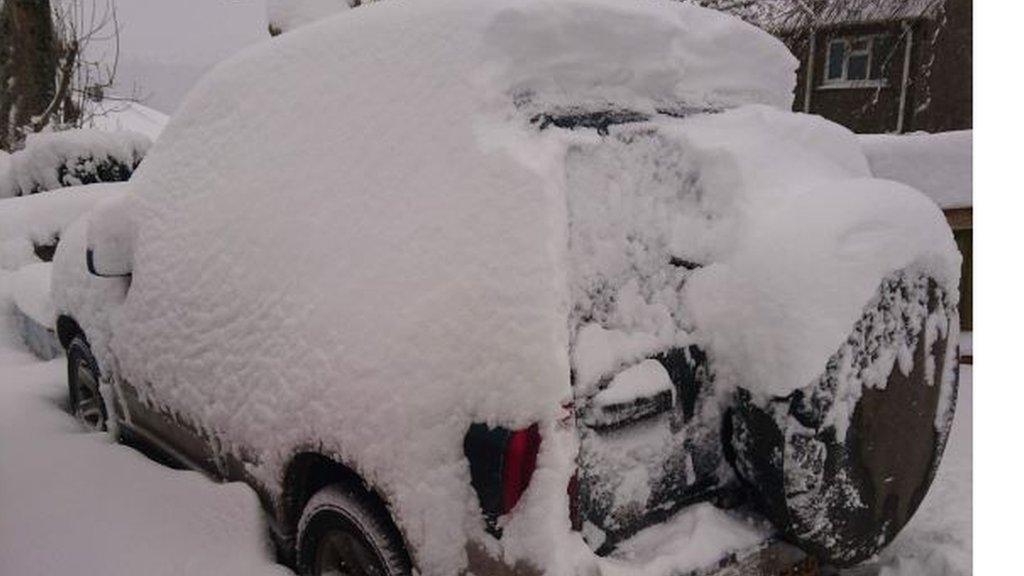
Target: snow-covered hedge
[[71, 158]]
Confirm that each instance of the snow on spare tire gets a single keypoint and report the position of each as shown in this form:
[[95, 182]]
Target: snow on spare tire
[[833, 316], [841, 464], [436, 213]]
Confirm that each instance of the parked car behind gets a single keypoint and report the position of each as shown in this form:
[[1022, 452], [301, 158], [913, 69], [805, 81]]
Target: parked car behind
[[30, 228], [490, 288]]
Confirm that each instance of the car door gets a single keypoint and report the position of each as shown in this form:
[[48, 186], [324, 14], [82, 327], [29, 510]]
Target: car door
[[172, 433], [110, 242]]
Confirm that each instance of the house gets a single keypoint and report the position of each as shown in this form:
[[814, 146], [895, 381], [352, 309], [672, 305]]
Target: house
[[885, 66]]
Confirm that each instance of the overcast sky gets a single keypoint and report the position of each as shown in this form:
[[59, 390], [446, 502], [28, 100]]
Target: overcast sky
[[166, 45]]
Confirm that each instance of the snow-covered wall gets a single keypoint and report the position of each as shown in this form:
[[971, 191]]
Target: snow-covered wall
[[940, 165]]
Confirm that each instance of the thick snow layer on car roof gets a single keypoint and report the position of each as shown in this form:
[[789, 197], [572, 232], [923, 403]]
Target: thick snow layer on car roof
[[642, 56], [940, 165], [353, 238]]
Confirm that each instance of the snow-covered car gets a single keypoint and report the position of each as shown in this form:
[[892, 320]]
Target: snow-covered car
[[509, 287], [30, 228]]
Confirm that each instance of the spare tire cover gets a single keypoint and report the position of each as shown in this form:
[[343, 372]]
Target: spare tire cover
[[841, 465]]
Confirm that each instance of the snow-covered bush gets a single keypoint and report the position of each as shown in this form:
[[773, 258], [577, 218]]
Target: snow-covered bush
[[71, 158]]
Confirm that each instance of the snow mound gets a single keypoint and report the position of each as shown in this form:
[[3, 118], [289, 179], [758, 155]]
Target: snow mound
[[643, 56], [71, 158], [285, 15], [692, 539], [38, 220], [940, 165]]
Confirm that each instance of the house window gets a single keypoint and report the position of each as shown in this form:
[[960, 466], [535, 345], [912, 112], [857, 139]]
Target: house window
[[861, 60]]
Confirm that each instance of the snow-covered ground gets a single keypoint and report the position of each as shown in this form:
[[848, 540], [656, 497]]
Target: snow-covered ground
[[78, 503]]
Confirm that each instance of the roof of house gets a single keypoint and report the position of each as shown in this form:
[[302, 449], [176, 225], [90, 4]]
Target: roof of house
[[782, 15]]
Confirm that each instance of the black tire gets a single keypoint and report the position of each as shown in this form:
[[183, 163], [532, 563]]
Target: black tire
[[349, 531], [85, 399], [842, 494]]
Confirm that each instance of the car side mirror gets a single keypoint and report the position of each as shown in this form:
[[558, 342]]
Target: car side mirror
[[110, 239]]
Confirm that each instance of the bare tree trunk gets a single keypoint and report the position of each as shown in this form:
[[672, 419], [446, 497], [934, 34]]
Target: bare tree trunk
[[28, 66]]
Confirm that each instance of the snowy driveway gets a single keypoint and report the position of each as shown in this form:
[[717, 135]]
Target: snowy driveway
[[77, 503]]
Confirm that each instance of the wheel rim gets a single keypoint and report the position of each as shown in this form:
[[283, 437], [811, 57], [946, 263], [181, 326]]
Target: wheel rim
[[343, 553], [88, 402]]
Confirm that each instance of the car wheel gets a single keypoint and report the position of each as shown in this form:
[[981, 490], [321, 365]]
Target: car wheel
[[84, 386], [345, 532], [838, 467]]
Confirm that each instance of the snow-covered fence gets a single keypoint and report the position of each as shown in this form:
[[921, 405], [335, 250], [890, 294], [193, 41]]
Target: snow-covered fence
[[71, 158]]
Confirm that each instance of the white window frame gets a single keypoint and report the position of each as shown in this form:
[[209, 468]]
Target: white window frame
[[843, 81]]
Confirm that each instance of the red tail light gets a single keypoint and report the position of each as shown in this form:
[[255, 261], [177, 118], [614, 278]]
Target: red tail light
[[574, 502], [519, 463]]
